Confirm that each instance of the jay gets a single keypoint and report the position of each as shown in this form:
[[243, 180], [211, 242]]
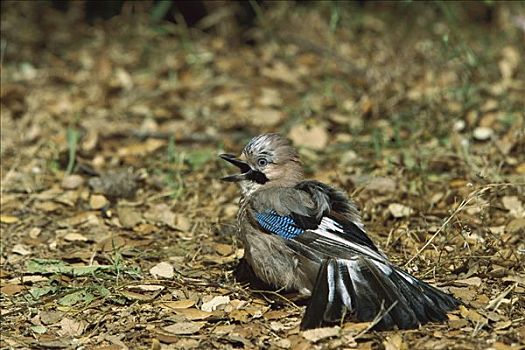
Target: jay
[[303, 235]]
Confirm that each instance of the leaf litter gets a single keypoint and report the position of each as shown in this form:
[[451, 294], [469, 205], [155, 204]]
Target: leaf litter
[[118, 234]]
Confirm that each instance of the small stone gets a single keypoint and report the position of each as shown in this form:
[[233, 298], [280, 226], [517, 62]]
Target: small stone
[[459, 125], [483, 133]]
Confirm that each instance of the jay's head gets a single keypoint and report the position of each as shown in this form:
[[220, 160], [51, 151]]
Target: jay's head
[[267, 160]]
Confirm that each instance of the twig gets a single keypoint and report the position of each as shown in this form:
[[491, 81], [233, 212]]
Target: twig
[[461, 206], [496, 302], [377, 319], [276, 293]]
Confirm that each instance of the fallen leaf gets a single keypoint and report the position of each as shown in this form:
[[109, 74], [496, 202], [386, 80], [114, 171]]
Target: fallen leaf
[[21, 249], [162, 270], [472, 281], [393, 342], [179, 304], [71, 182], [184, 328], [314, 335], [39, 329], [502, 325], [215, 303], [147, 287], [382, 184], [128, 216], [7, 219], [223, 249], [464, 294], [513, 205], [266, 117], [515, 226], [223, 329], [50, 317], [283, 343], [399, 210], [472, 315], [12, 289], [315, 137], [270, 98], [192, 314], [98, 201], [71, 327], [73, 236], [136, 296]]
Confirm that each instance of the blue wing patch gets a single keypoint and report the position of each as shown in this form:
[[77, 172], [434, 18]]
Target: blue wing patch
[[283, 226]]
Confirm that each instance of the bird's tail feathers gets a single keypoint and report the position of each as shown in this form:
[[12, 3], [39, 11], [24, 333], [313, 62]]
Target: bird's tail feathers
[[364, 288]]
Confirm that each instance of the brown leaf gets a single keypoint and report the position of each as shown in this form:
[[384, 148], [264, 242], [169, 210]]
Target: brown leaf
[[472, 281], [71, 327], [315, 137], [71, 182], [314, 335], [266, 117], [98, 201], [193, 314], [399, 210], [128, 216], [162, 270], [181, 328], [74, 236], [393, 342], [12, 289], [178, 304]]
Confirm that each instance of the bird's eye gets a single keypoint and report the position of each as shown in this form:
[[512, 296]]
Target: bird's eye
[[262, 162]]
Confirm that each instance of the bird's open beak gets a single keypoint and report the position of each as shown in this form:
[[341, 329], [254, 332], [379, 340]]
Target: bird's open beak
[[243, 166]]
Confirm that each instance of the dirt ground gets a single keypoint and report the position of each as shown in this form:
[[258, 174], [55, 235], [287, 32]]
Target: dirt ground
[[118, 234]]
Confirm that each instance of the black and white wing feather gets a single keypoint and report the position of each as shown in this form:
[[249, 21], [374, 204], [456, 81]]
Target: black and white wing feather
[[355, 278]]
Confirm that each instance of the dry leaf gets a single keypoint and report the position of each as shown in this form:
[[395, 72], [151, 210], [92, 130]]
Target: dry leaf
[[393, 342], [314, 335], [382, 185], [472, 281], [74, 236], [12, 289], [399, 210], [513, 205], [515, 226], [266, 117], [7, 219], [21, 249], [179, 304], [147, 287], [162, 270], [193, 314], [315, 137], [128, 216], [71, 327], [71, 182], [184, 328], [215, 303], [98, 201]]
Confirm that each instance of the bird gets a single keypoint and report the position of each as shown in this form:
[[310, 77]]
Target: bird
[[304, 236]]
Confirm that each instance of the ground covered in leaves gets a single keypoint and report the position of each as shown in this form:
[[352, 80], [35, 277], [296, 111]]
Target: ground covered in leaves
[[118, 234]]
